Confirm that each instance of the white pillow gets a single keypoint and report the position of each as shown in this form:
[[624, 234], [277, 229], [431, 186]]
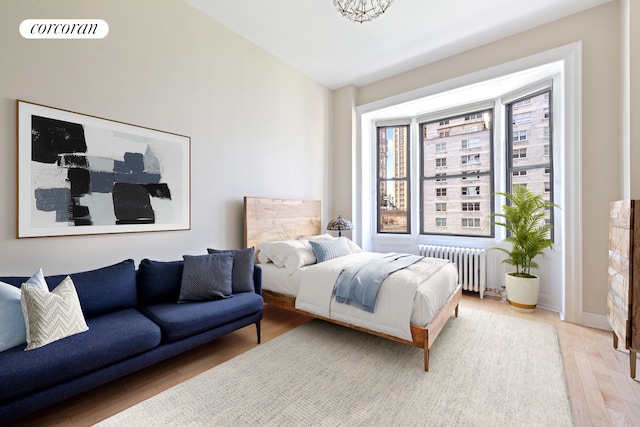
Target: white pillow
[[263, 258], [299, 257], [267, 250], [353, 246], [50, 316]]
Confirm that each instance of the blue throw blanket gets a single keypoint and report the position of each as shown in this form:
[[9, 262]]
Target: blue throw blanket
[[358, 285]]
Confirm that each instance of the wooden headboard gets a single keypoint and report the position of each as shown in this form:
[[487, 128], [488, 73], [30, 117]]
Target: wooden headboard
[[269, 220]]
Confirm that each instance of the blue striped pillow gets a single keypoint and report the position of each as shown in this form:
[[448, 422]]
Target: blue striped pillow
[[325, 250]]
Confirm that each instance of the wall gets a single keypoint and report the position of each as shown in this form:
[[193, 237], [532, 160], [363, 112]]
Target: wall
[[598, 29], [257, 126]]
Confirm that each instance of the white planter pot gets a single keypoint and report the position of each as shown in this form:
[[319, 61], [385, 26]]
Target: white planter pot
[[522, 293]]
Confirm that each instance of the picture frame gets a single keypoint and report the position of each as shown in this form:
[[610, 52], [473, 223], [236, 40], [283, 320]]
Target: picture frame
[[80, 174]]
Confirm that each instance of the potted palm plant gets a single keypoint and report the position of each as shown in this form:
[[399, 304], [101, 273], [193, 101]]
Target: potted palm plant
[[528, 236]]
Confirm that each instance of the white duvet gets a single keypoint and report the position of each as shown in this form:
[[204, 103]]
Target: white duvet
[[409, 296]]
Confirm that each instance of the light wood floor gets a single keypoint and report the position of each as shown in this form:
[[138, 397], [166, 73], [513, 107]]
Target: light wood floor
[[601, 391]]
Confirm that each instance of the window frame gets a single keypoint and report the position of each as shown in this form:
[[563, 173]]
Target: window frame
[[465, 114], [511, 167], [407, 178]]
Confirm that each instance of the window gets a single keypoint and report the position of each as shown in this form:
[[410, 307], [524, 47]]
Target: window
[[536, 163], [471, 191], [519, 135], [470, 222], [519, 153], [521, 118], [457, 162], [469, 207], [471, 143], [470, 175], [441, 222], [472, 159], [393, 179], [457, 167]]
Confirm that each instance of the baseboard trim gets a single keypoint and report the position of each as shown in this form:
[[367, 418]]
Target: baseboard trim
[[593, 320]]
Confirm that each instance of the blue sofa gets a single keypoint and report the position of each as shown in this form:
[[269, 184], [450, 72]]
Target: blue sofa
[[134, 321]]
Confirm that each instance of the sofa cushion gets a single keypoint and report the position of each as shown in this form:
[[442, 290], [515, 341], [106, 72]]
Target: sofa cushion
[[111, 338], [206, 277], [183, 320], [159, 281], [103, 290], [242, 273], [51, 316]]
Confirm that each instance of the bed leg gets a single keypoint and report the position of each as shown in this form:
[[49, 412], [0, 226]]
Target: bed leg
[[457, 305], [426, 360]]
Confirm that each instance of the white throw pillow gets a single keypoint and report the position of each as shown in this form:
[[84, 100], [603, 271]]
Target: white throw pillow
[[262, 257], [50, 316]]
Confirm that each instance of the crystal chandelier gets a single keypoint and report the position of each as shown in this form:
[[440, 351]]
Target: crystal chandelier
[[362, 10]]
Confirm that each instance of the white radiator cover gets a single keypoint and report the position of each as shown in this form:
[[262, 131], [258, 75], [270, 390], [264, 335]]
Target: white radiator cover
[[471, 263]]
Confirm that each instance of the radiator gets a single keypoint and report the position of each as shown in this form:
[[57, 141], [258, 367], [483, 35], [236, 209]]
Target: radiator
[[471, 263]]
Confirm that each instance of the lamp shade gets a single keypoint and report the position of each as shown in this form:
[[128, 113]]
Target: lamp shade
[[339, 224]]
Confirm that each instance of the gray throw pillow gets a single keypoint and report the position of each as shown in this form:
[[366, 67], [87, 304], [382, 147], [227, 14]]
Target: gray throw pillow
[[242, 273], [206, 277]]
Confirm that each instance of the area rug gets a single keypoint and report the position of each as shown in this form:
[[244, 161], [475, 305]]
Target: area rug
[[485, 369]]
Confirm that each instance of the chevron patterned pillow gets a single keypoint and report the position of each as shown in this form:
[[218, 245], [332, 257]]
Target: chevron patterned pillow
[[51, 316]]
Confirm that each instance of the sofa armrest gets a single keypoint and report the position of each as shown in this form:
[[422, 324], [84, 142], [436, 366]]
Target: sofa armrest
[[257, 279]]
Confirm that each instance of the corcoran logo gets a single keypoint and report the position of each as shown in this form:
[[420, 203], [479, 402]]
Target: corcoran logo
[[64, 29]]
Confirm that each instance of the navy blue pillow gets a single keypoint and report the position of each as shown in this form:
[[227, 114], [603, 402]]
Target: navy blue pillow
[[159, 281], [242, 273], [206, 277]]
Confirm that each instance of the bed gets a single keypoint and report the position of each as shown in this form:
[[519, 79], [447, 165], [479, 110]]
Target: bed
[[271, 223]]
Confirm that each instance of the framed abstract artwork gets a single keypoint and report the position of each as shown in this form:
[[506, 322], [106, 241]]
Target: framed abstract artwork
[[80, 174]]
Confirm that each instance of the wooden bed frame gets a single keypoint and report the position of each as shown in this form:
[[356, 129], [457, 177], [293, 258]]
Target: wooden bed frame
[[268, 220]]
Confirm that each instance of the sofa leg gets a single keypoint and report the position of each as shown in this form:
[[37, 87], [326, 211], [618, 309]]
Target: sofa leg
[[258, 330]]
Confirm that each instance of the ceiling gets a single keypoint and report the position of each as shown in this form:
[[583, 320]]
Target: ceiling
[[311, 36]]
